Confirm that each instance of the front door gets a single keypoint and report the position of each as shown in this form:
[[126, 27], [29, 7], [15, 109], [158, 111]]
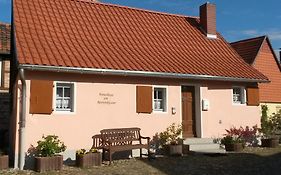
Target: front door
[[188, 111]]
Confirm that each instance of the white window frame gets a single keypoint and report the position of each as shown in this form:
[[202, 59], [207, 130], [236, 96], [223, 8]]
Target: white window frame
[[73, 94], [243, 98], [165, 110]]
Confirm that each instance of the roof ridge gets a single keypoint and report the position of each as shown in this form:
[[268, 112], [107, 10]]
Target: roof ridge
[[248, 39], [135, 8]]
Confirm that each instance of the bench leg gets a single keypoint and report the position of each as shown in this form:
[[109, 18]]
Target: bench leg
[[103, 154], [110, 157], [140, 153]]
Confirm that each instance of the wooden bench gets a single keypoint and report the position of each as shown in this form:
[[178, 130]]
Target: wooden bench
[[120, 139]]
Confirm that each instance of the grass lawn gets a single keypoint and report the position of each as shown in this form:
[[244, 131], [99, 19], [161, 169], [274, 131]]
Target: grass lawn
[[254, 161]]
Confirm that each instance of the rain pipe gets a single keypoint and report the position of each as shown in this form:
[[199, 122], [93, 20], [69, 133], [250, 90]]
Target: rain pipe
[[22, 120]]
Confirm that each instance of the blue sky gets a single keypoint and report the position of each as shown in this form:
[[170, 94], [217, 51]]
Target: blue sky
[[236, 20]]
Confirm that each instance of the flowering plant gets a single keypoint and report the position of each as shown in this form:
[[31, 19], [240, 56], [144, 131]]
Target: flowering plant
[[83, 151], [49, 146], [247, 135], [171, 135]]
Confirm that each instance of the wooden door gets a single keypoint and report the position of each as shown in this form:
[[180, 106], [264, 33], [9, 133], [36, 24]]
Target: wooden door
[[188, 111]]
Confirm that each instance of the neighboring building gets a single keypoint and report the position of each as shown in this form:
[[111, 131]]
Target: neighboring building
[[258, 53], [87, 66], [5, 33]]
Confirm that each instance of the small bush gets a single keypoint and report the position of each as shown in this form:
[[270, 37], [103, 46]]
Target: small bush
[[270, 125], [249, 136], [49, 146], [83, 151], [172, 135]]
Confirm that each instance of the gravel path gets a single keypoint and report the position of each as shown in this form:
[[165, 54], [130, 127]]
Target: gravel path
[[256, 161]]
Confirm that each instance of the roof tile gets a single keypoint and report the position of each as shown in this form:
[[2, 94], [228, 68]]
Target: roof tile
[[74, 33]]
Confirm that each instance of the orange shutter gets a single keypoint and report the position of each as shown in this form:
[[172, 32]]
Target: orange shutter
[[253, 96], [41, 97], [144, 99]]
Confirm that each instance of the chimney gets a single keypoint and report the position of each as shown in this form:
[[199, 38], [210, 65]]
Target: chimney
[[208, 19]]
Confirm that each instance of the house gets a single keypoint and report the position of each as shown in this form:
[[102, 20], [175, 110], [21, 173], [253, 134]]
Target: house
[[258, 53], [85, 66], [5, 33]]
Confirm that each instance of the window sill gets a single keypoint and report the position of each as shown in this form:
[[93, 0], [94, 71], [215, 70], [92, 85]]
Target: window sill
[[160, 112], [238, 104], [64, 112]]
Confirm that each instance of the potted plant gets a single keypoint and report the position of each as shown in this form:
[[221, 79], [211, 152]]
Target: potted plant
[[4, 160], [270, 126], [232, 143], [85, 159], [47, 154], [171, 139]]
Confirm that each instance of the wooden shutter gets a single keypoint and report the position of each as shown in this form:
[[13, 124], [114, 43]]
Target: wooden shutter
[[41, 97], [144, 99], [253, 96]]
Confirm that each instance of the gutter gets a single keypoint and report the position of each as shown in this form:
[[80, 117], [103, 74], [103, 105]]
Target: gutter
[[136, 73], [22, 121]]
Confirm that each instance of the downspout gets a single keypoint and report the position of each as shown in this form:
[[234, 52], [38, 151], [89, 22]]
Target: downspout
[[22, 121]]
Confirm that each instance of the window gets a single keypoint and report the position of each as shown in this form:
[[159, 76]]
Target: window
[[238, 95], [64, 97], [159, 99]]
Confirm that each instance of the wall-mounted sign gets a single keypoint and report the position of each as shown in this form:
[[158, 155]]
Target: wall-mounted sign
[[106, 98]]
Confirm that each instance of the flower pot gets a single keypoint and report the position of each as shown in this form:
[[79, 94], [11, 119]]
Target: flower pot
[[175, 150], [270, 142], [48, 163], [234, 147], [4, 162], [185, 149], [88, 160]]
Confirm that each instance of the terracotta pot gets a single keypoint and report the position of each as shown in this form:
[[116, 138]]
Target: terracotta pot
[[175, 149], [4, 162], [48, 163], [234, 147], [271, 142], [88, 160]]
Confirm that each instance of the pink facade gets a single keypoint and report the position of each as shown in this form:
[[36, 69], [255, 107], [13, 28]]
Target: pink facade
[[223, 113], [110, 102]]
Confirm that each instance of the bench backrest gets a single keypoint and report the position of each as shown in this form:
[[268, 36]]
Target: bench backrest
[[121, 136]]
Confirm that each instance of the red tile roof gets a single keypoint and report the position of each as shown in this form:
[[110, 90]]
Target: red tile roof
[[248, 48], [5, 36], [73, 33]]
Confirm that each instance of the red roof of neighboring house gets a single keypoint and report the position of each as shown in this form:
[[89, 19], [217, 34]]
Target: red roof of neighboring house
[[79, 34], [248, 49], [5, 37], [267, 63]]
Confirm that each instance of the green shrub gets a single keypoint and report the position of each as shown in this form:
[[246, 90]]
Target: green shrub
[[230, 140], [270, 125], [172, 135], [49, 146], [83, 151]]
